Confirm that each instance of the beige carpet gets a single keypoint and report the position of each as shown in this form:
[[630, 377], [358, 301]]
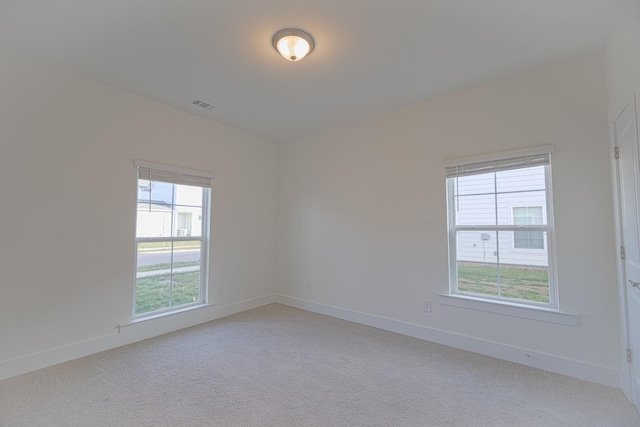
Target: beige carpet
[[279, 366]]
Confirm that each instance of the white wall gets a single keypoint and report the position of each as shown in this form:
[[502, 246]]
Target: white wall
[[622, 58], [622, 71], [362, 217], [68, 205]]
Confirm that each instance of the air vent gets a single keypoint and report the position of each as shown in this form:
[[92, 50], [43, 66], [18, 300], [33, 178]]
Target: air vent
[[202, 104]]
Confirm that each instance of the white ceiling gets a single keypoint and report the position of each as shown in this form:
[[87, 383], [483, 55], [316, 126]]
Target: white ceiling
[[371, 55]]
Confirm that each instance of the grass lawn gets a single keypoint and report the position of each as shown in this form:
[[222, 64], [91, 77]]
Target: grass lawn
[[531, 284], [158, 292], [166, 266]]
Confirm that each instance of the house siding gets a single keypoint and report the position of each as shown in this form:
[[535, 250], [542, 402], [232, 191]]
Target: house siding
[[479, 200]]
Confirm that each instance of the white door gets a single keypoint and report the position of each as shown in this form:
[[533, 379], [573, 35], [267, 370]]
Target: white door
[[626, 133]]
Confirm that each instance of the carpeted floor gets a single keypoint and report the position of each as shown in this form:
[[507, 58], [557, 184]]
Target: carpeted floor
[[279, 366]]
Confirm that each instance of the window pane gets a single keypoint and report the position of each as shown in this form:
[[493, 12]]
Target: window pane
[[528, 239], [525, 283], [523, 275], [153, 220], [478, 278], [525, 179], [186, 287], [188, 211], [186, 195], [153, 292], [153, 257], [188, 221], [483, 270], [186, 254], [186, 273], [531, 215], [477, 262], [475, 184], [153, 276], [167, 277], [477, 246], [514, 207], [155, 192], [510, 253], [475, 210]]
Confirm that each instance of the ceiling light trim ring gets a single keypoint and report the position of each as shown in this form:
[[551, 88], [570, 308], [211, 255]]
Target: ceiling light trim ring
[[295, 32]]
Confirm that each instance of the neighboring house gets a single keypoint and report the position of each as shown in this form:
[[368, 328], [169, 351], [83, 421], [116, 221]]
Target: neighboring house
[[154, 219], [166, 210], [520, 200]]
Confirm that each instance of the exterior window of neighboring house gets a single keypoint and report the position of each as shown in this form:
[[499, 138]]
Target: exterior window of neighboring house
[[529, 215], [172, 238], [501, 228]]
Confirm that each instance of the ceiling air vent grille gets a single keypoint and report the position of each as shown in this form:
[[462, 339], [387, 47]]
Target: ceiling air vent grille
[[202, 104]]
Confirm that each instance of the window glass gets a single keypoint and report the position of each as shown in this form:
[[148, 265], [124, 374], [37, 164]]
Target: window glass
[[530, 215], [499, 231], [171, 242]]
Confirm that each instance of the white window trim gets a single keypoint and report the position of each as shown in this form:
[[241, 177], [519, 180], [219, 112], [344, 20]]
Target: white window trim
[[204, 239], [553, 304], [163, 313], [525, 311]]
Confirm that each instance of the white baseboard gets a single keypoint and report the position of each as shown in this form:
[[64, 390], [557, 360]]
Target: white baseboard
[[131, 333], [548, 362], [625, 385]]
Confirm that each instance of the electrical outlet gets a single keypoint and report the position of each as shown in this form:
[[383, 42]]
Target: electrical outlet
[[426, 306], [309, 285], [221, 291]]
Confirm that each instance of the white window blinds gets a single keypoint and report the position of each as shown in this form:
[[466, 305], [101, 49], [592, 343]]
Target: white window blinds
[[475, 168], [173, 175]]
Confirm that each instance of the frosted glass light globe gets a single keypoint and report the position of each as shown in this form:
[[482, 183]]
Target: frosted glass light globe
[[293, 44]]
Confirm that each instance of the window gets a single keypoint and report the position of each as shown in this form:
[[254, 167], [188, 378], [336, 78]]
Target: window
[[529, 215], [172, 238], [501, 228]]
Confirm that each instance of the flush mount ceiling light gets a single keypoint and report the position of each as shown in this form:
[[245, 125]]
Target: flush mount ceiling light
[[293, 44]]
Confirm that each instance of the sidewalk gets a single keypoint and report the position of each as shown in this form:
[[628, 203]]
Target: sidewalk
[[153, 273]]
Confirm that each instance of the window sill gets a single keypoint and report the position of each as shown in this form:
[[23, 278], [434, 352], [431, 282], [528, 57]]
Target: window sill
[[510, 309], [151, 316]]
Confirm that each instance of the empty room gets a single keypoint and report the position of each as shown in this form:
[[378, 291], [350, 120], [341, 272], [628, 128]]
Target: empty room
[[319, 213]]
